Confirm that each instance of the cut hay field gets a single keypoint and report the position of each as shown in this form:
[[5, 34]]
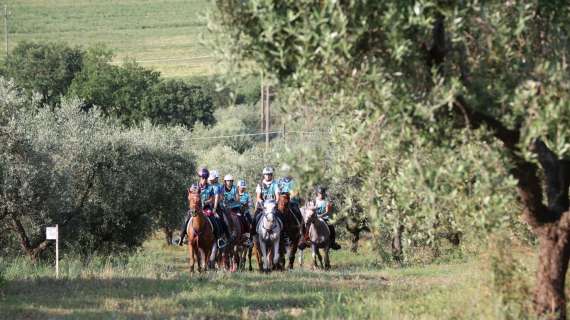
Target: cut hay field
[[161, 34], [155, 284]]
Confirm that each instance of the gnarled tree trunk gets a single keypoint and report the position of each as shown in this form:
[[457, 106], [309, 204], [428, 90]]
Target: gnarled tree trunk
[[549, 222], [549, 297]]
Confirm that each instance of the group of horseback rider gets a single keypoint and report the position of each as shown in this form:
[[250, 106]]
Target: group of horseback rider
[[216, 198]]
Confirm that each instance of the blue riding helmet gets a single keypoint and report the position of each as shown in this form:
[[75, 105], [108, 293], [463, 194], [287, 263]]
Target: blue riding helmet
[[203, 173]]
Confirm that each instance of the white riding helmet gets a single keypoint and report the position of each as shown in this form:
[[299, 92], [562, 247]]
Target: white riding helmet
[[268, 170], [228, 177], [242, 184], [213, 175]]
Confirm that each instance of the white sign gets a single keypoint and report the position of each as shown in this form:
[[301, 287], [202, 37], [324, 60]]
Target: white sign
[[51, 233]]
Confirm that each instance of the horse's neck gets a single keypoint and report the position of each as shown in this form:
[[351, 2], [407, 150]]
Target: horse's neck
[[199, 218]]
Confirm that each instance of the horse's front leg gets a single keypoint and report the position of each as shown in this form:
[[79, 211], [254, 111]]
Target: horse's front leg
[[327, 258], [320, 258], [264, 256], [201, 260], [315, 254], [292, 252], [301, 258], [213, 255], [192, 258], [276, 254], [249, 253]]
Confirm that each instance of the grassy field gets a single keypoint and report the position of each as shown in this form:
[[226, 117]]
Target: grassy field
[[161, 34], [155, 284]]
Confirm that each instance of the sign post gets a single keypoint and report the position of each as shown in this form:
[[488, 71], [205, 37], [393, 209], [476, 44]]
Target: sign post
[[52, 233]]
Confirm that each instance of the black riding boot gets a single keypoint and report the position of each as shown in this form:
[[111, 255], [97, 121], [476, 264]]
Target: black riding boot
[[224, 226], [249, 221], [334, 245], [256, 218], [183, 231]]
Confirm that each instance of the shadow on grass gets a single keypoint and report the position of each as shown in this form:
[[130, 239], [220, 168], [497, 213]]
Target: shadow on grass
[[213, 295]]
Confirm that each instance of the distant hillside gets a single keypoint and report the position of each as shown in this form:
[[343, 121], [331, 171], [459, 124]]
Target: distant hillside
[[162, 34]]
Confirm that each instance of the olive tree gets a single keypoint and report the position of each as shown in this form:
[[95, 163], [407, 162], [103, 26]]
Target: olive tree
[[432, 69], [105, 186]]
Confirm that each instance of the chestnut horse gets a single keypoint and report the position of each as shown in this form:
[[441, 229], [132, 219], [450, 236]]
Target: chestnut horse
[[200, 233], [291, 228]]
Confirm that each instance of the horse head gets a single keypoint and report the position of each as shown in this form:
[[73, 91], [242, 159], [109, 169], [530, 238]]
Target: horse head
[[283, 202], [194, 201], [269, 214], [310, 212]]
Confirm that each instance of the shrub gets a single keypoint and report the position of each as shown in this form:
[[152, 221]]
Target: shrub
[[45, 68], [174, 102], [104, 185]]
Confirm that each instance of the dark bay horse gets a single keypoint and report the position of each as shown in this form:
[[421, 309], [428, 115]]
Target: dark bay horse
[[234, 252], [291, 228], [200, 232]]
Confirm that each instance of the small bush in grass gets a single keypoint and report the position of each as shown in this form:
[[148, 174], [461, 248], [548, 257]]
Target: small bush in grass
[[509, 280]]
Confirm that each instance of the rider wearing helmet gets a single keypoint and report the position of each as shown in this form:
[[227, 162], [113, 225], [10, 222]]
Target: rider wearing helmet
[[206, 197], [267, 189], [229, 190], [217, 189], [288, 185], [324, 210], [245, 200]]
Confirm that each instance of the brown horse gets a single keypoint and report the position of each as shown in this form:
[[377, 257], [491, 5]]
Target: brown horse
[[291, 228], [238, 248], [200, 232]]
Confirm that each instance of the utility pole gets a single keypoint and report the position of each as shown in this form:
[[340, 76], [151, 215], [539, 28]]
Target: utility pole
[[267, 118], [262, 105], [6, 28]]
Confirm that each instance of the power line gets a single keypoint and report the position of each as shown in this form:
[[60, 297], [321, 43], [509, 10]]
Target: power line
[[254, 134]]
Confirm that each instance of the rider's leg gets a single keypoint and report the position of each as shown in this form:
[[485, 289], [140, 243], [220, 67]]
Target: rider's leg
[[334, 245], [223, 224], [256, 221], [216, 226], [183, 230]]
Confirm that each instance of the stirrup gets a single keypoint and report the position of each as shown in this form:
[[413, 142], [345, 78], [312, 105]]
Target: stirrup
[[221, 243]]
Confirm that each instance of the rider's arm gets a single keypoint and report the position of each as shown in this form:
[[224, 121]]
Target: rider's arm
[[217, 196], [257, 196], [277, 192]]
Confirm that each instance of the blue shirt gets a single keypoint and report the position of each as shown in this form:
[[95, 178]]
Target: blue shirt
[[288, 185], [268, 190], [229, 195], [245, 199], [217, 188], [322, 209], [205, 193]]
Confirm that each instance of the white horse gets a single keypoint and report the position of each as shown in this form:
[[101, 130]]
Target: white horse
[[269, 235]]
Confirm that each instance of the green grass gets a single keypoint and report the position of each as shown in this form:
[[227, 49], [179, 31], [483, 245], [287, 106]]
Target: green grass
[[155, 284], [163, 34]]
